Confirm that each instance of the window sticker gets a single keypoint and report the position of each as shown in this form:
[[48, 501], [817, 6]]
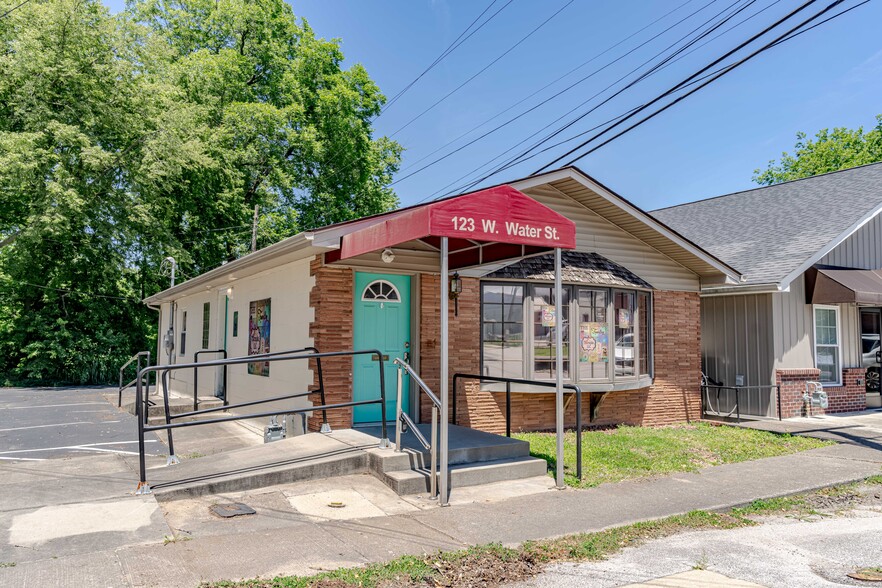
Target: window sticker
[[593, 343], [259, 335]]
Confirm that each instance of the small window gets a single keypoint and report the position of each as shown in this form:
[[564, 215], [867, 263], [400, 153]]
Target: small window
[[183, 344], [236, 323], [381, 290], [206, 317], [827, 353]]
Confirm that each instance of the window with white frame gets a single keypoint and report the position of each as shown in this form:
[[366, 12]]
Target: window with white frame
[[606, 332], [827, 342]]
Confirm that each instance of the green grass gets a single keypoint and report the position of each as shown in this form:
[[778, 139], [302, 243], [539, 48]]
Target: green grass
[[626, 452]]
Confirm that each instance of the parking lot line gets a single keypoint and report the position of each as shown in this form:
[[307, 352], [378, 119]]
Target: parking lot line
[[50, 405], [84, 446], [57, 425]]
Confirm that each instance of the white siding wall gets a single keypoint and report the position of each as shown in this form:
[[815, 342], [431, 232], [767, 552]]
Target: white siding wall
[[596, 234], [288, 286], [794, 330]]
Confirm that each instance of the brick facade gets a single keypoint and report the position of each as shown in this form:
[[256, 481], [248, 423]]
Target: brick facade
[[850, 397], [673, 397], [331, 330]]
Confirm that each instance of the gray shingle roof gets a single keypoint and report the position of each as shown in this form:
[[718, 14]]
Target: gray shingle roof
[[766, 233], [576, 267]]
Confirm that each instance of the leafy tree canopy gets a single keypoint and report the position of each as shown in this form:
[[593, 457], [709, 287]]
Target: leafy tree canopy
[[127, 138], [829, 151]]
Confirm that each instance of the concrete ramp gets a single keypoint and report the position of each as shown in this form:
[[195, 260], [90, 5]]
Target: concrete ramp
[[475, 458]]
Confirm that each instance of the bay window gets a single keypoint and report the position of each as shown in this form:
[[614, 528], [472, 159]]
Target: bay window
[[608, 340]]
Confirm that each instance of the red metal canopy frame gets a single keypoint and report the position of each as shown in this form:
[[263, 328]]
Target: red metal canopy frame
[[490, 225]]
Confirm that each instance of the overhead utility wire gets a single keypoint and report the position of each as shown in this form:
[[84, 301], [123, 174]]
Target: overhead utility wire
[[338, 155], [553, 96], [721, 74], [13, 9], [450, 49], [695, 75], [482, 70], [546, 86], [651, 71], [654, 69]]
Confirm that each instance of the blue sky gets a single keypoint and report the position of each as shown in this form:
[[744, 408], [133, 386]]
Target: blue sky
[[708, 144]]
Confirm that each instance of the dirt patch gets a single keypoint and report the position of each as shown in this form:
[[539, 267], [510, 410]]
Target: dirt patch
[[483, 569]]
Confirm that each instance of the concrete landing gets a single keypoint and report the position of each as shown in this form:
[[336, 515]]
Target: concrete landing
[[305, 457]]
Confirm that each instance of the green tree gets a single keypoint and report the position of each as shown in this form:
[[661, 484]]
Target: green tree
[[829, 151], [126, 138]]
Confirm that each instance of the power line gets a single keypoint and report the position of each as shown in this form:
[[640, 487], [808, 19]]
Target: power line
[[69, 291], [13, 9], [552, 97], [786, 37], [482, 70], [676, 87], [651, 71], [450, 49], [654, 69]]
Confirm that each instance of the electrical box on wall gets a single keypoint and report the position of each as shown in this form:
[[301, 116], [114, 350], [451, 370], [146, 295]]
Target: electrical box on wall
[[739, 380]]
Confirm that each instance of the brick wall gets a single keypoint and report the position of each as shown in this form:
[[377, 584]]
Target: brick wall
[[850, 397], [673, 397], [331, 330]]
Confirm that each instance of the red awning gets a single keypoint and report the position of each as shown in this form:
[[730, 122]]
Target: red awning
[[485, 226]]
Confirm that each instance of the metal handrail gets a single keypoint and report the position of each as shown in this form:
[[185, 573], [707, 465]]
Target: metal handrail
[[403, 420], [196, 376], [137, 357], [144, 487], [574, 389]]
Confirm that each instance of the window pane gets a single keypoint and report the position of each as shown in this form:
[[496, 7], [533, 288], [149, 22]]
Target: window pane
[[206, 317], [644, 319], [493, 313], [828, 363], [593, 351], [624, 325], [545, 324], [503, 330]]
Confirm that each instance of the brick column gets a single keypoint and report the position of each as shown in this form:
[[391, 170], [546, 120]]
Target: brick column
[[792, 383], [331, 330]]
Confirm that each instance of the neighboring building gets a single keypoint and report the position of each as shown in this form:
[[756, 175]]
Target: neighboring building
[[631, 324], [808, 306]]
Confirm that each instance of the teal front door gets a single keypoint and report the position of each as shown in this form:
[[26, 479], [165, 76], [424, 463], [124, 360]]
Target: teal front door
[[381, 321]]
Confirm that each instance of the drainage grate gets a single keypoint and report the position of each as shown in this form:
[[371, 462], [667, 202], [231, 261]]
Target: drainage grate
[[230, 510]]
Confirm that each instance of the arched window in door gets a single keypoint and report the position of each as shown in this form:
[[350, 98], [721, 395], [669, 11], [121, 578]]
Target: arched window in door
[[381, 290]]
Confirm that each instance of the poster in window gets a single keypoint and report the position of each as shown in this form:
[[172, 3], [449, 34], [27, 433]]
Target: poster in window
[[548, 316], [624, 318], [259, 335], [593, 343]]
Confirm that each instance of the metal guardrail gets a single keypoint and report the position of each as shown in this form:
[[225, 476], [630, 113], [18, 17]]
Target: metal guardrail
[[708, 409], [137, 357], [168, 426], [196, 376], [403, 420], [573, 388]]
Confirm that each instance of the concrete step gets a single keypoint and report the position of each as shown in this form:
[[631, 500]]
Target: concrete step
[[462, 475], [305, 457], [466, 446]]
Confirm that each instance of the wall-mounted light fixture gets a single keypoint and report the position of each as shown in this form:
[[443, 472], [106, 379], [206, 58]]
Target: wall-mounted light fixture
[[455, 291], [388, 256], [230, 293]]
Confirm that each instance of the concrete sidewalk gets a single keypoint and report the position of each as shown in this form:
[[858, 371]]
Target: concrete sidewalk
[[308, 545]]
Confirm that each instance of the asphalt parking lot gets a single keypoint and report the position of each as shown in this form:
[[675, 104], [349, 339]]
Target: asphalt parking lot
[[47, 423]]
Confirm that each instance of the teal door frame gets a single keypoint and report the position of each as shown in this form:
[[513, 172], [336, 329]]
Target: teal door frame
[[381, 319]]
